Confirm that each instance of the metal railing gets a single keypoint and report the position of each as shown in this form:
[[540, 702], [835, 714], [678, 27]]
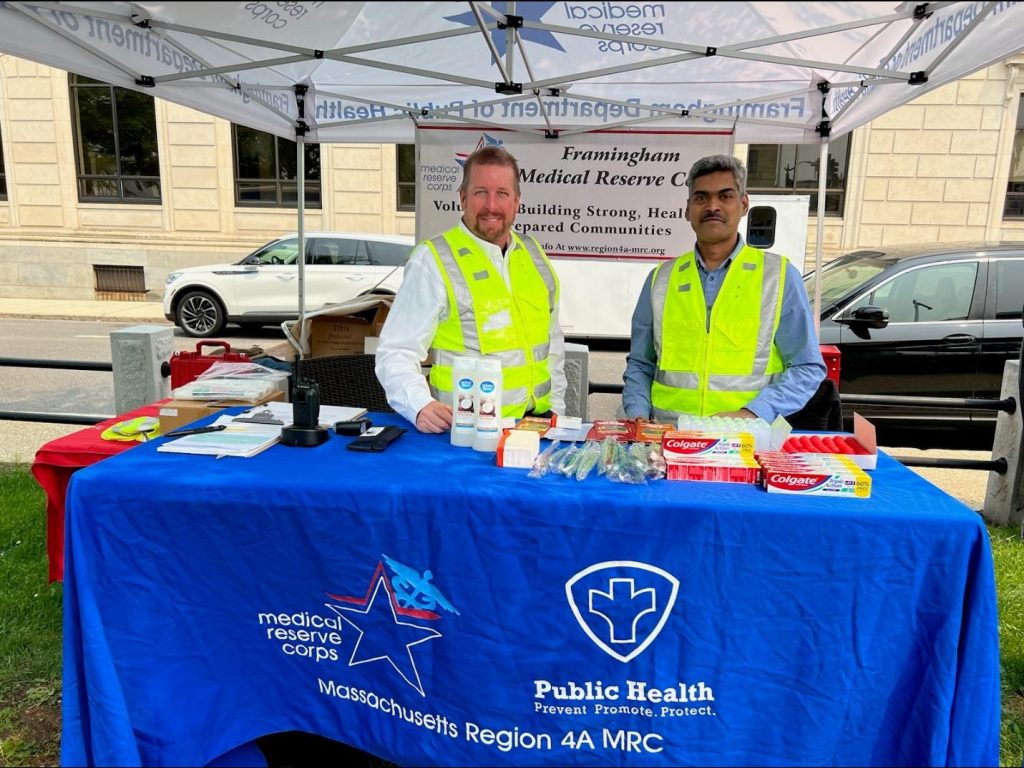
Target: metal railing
[[999, 465], [67, 365], [1009, 405], [62, 365]]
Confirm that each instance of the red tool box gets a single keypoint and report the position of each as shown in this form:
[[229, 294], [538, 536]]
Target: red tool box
[[186, 366]]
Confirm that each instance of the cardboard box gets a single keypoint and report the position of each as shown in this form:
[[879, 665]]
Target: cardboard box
[[863, 433], [345, 334], [178, 413], [282, 351]]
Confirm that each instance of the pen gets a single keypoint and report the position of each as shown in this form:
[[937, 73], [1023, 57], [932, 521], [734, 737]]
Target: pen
[[196, 431]]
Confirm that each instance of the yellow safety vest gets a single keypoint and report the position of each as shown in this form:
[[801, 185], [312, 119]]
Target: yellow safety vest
[[140, 429], [486, 319], [705, 369]]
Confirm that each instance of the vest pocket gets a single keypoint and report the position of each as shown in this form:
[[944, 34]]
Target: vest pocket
[[683, 346], [734, 345]]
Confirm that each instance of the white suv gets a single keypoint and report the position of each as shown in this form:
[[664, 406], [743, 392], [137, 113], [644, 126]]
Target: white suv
[[263, 287]]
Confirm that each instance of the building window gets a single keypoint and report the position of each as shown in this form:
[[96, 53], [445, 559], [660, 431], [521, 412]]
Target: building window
[[406, 167], [3, 173], [266, 170], [1014, 207], [115, 143], [788, 169]]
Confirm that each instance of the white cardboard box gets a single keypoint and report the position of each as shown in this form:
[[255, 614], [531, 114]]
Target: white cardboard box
[[863, 433]]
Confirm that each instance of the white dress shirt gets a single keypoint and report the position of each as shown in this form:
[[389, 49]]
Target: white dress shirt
[[412, 323]]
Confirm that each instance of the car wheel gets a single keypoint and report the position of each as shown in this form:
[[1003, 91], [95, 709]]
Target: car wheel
[[199, 314]]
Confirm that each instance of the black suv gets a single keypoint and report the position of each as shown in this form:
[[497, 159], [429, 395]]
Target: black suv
[[937, 321]]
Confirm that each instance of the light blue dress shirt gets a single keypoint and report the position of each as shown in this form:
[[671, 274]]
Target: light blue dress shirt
[[796, 340]]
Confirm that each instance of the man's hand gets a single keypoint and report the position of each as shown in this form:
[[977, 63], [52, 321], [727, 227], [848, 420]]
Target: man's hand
[[434, 417], [742, 413]]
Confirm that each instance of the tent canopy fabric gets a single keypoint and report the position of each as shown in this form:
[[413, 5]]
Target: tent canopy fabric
[[373, 71]]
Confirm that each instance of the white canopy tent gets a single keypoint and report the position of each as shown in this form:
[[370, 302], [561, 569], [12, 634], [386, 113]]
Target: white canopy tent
[[373, 70], [773, 72]]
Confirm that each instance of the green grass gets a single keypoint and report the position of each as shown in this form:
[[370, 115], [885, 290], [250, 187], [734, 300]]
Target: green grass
[[30, 630], [1008, 553], [30, 627]]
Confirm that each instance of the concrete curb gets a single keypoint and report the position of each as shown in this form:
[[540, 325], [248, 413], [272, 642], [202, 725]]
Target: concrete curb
[[83, 309], [84, 316]]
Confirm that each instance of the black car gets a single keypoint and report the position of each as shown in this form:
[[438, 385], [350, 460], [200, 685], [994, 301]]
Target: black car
[[936, 321]]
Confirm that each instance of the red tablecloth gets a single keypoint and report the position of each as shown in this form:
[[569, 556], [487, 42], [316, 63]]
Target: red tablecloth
[[56, 461]]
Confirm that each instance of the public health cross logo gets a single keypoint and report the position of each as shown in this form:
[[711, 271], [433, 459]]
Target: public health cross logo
[[389, 618], [622, 605]]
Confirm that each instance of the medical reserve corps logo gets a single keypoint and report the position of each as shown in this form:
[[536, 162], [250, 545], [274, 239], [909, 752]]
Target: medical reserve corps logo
[[622, 605], [392, 617], [486, 140]]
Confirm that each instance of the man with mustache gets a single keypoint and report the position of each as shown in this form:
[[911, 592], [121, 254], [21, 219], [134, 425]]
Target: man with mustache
[[482, 290], [725, 329]]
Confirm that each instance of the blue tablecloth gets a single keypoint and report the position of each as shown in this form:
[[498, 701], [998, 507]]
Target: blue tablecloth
[[428, 607]]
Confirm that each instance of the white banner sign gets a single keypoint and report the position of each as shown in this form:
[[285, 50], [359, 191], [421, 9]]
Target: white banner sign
[[605, 207]]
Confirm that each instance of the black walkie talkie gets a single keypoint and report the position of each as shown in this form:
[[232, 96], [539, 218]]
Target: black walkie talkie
[[306, 404], [305, 430]]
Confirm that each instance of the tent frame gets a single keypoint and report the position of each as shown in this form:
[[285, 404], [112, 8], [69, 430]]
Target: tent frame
[[512, 25], [509, 89]]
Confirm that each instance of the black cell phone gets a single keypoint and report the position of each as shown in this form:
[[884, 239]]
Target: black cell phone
[[376, 439]]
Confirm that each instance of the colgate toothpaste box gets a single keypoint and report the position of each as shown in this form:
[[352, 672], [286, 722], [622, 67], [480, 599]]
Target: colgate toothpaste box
[[861, 447], [679, 445], [779, 459], [715, 469], [838, 476]]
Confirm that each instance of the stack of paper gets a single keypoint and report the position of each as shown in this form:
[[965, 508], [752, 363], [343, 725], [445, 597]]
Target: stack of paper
[[329, 414], [246, 390], [236, 440]]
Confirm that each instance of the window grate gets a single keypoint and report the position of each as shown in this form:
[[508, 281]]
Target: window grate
[[119, 283]]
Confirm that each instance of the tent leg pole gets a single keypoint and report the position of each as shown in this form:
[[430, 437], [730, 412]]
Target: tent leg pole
[[300, 172], [820, 239]]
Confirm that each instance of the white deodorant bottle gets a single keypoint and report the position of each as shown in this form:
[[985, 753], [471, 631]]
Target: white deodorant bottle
[[488, 405], [463, 401]]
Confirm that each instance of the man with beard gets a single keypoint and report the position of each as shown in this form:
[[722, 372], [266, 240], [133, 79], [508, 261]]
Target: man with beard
[[481, 290], [725, 329]]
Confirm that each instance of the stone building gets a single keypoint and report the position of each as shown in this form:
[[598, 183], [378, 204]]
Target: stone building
[[91, 205]]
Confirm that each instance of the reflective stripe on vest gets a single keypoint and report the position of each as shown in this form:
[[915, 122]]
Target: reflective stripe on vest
[[706, 369], [485, 319]]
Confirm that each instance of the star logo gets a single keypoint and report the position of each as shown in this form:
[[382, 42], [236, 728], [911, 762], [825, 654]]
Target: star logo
[[529, 12], [486, 140], [386, 631]]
